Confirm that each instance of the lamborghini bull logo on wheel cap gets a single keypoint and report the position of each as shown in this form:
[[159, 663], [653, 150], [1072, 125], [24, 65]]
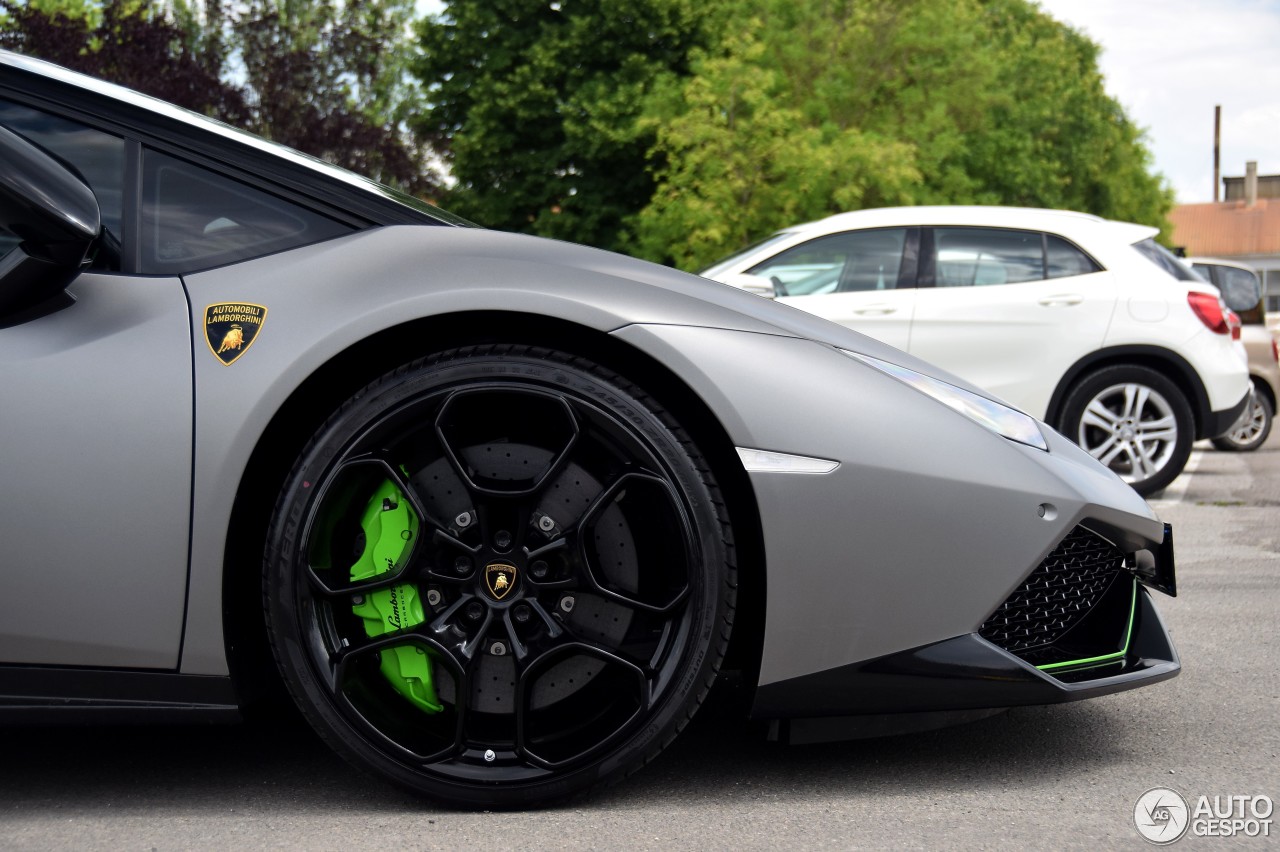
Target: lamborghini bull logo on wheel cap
[[499, 579], [231, 327]]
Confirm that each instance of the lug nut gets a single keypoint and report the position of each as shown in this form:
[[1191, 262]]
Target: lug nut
[[498, 649], [433, 597], [475, 611], [520, 613], [566, 603], [357, 600], [538, 570], [463, 521], [489, 756], [546, 524], [502, 540], [462, 565]]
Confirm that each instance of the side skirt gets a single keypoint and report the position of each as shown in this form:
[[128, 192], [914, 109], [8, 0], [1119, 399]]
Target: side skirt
[[56, 695]]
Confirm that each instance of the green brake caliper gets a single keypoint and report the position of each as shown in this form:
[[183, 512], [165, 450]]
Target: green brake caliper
[[389, 528]]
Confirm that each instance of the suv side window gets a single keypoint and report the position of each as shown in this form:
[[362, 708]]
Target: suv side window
[[976, 257], [195, 219], [854, 261], [1063, 260], [97, 156]]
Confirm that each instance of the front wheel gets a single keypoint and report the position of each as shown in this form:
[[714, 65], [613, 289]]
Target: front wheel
[[499, 576], [1133, 420], [1251, 430]]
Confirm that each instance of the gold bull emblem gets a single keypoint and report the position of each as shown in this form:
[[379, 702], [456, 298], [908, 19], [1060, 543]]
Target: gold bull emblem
[[233, 339], [498, 579]]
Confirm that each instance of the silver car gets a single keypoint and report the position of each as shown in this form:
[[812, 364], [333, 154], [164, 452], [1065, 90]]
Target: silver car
[[496, 510]]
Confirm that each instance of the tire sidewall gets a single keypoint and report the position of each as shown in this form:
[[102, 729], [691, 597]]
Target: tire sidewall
[[709, 597]]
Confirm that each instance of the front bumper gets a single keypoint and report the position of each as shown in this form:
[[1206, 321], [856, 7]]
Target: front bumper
[[971, 673]]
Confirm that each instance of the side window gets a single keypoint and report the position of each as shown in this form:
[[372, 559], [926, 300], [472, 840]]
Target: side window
[[195, 219], [98, 156], [975, 257], [1062, 259], [840, 263]]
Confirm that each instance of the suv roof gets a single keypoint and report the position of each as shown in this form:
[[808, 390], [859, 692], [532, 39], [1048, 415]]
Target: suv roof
[[1027, 218]]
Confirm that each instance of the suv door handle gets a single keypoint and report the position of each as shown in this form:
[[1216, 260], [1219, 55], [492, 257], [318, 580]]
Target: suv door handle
[[1062, 300], [876, 310]]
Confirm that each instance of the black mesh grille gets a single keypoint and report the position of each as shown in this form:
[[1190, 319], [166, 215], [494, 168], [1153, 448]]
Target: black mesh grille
[[1057, 595]]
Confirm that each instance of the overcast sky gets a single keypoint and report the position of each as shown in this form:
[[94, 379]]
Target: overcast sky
[[1168, 62]]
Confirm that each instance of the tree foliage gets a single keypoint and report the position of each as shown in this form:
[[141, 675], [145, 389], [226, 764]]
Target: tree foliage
[[132, 44], [324, 77], [819, 106], [535, 105]]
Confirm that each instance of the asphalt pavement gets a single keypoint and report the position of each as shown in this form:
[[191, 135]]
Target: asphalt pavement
[[1059, 777]]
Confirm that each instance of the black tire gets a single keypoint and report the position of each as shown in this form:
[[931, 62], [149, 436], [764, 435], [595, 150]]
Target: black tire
[[1135, 421], [1252, 429], [487, 486]]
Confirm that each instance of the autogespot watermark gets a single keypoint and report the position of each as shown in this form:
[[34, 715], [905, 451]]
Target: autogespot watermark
[[1164, 816]]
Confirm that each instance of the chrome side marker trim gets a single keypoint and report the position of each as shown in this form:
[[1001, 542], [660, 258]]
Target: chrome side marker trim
[[764, 461]]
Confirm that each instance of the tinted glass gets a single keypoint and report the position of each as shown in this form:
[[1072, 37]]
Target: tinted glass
[[721, 265], [975, 257], [98, 156], [1064, 260], [1163, 258], [1241, 291], [841, 263], [195, 219], [7, 241]]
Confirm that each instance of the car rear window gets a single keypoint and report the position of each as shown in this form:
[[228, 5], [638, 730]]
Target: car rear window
[[1163, 258]]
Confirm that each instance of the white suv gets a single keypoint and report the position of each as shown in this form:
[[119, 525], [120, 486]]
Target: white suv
[[1068, 316]]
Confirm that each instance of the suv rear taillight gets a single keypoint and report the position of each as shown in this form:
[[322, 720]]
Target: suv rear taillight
[[1275, 350], [1211, 312], [1234, 323]]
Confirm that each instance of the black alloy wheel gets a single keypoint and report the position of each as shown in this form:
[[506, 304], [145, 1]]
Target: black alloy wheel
[[499, 576]]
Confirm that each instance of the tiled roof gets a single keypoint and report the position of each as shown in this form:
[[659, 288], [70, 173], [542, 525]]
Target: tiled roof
[[1228, 228]]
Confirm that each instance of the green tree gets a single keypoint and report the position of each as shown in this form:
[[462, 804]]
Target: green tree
[[819, 106], [325, 77], [534, 104]]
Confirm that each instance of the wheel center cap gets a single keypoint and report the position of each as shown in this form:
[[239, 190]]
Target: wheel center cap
[[1127, 433], [499, 579]]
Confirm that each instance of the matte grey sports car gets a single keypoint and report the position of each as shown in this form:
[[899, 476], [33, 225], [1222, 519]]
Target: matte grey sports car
[[496, 509]]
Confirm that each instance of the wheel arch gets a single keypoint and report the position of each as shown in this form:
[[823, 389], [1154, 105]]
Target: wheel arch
[[1169, 364], [339, 378], [1262, 386]]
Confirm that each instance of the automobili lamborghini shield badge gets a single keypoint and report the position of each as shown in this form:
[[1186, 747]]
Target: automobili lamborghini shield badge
[[231, 327], [499, 579]]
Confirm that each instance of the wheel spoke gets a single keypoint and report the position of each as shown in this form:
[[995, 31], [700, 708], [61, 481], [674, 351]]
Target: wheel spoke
[[1100, 450], [463, 403], [1099, 415]]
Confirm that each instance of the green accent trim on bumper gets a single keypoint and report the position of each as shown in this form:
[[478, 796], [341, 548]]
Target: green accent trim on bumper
[[389, 529], [1093, 662]]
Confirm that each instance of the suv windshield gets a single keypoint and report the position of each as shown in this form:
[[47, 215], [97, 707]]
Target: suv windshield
[[1163, 258]]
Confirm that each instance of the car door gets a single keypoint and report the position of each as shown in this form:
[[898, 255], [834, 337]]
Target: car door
[[95, 466], [861, 279], [1009, 310]]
